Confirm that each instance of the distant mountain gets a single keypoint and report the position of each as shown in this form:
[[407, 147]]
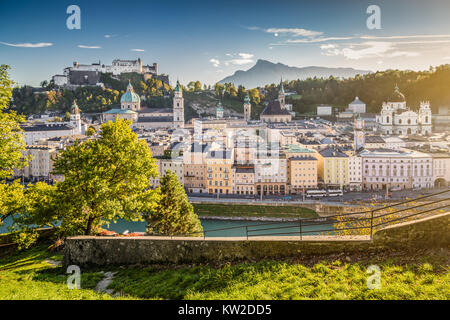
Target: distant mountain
[[266, 72]]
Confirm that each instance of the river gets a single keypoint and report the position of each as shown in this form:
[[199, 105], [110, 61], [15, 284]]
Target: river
[[209, 225]]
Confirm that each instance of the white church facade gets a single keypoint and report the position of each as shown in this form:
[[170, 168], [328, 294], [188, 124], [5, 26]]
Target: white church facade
[[397, 119]]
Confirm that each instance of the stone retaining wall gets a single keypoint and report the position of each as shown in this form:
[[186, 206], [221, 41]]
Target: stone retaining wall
[[100, 251]]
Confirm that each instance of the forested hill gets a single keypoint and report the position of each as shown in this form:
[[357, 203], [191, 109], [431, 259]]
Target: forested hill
[[373, 89], [28, 100]]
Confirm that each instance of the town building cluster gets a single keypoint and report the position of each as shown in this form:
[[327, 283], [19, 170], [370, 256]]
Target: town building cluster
[[274, 154]]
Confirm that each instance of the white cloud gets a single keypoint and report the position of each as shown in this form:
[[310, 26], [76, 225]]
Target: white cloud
[[215, 62], [110, 35], [138, 50], [88, 47], [327, 46], [296, 32], [417, 36], [28, 45], [315, 40], [370, 49], [241, 59]]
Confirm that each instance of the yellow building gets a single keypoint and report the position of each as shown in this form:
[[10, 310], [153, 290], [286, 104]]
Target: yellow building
[[302, 173], [195, 168], [218, 173], [333, 168]]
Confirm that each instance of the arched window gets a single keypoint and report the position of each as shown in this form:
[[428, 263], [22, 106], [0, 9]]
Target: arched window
[[426, 119], [387, 119], [409, 121], [399, 121]]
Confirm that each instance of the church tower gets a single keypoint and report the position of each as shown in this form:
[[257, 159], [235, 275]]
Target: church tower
[[425, 118], [178, 107], [359, 134], [281, 96], [75, 119], [247, 107], [219, 111]]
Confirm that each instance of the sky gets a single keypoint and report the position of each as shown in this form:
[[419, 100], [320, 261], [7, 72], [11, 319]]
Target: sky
[[209, 40]]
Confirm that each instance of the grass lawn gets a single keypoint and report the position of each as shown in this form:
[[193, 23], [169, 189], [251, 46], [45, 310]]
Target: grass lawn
[[242, 210], [417, 275]]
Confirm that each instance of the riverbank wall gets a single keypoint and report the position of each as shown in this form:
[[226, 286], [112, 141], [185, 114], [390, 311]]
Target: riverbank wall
[[102, 251]]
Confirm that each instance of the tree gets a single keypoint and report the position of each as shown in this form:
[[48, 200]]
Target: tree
[[90, 131], [12, 143], [67, 116], [174, 214], [104, 179], [11, 199]]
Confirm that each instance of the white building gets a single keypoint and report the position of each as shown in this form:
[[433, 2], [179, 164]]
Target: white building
[[38, 131], [394, 143], [175, 165], [355, 172], [40, 165], [397, 119], [357, 106], [406, 169], [324, 110], [441, 169]]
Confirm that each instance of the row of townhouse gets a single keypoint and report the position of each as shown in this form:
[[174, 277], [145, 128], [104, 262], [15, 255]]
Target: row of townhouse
[[378, 169], [293, 169]]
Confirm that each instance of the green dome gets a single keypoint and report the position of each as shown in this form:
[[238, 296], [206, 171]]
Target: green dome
[[220, 108], [397, 96], [130, 95]]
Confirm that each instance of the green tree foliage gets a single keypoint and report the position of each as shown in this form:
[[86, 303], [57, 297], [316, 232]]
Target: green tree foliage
[[90, 131], [11, 199], [91, 98], [373, 89], [104, 179], [254, 96], [12, 142], [174, 214]]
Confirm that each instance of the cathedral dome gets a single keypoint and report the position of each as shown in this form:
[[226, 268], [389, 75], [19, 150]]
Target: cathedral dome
[[397, 96], [130, 95]]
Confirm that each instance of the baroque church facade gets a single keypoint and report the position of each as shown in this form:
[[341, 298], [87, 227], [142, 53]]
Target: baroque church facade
[[397, 119]]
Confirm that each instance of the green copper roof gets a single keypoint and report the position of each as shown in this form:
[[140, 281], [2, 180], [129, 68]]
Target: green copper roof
[[219, 107], [178, 87], [75, 108], [397, 96], [120, 111], [130, 95], [281, 86], [247, 98], [295, 148]]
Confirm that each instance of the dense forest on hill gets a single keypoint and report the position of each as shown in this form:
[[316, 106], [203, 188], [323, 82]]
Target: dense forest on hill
[[373, 89], [28, 100]]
